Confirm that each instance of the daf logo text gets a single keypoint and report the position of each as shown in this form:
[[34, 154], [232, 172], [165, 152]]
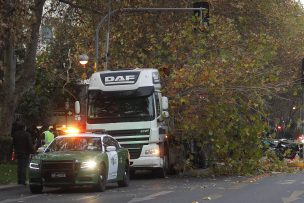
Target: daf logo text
[[127, 79]]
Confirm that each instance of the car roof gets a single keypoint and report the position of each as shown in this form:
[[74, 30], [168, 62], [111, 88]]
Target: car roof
[[87, 134]]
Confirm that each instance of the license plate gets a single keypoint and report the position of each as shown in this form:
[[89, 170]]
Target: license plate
[[58, 175]]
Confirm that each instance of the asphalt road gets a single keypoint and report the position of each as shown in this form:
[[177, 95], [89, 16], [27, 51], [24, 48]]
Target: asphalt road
[[277, 188]]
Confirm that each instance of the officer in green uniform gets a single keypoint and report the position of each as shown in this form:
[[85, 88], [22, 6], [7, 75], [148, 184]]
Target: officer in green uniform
[[48, 137]]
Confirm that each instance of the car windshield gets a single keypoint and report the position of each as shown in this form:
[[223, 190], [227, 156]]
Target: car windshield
[[75, 144]]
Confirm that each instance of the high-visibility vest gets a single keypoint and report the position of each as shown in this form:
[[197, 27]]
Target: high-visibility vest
[[48, 137]]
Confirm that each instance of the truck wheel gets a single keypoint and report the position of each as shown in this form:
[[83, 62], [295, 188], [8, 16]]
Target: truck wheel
[[126, 177], [102, 179], [162, 172], [36, 189]]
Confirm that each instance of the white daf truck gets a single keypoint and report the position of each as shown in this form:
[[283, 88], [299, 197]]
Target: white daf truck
[[129, 105]]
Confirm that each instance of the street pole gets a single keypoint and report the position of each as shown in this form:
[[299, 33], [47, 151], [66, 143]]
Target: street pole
[[301, 115], [108, 36], [128, 10]]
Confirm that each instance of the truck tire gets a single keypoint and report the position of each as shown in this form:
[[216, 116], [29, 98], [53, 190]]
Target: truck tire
[[126, 177], [36, 189], [162, 172]]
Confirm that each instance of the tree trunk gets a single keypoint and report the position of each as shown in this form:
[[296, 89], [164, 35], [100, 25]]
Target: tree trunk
[[13, 85], [7, 99]]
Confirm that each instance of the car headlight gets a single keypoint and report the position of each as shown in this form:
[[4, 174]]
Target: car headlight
[[34, 166], [88, 165]]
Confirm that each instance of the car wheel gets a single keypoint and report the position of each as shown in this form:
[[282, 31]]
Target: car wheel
[[126, 177], [102, 179], [36, 189]]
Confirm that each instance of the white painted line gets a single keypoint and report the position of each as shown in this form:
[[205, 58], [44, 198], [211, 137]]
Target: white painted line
[[293, 197], [287, 182], [149, 197]]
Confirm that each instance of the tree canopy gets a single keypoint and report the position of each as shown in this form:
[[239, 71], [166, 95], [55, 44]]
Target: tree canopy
[[221, 79]]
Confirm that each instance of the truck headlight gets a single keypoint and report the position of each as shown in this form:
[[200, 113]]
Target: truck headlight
[[34, 166], [88, 165], [152, 151]]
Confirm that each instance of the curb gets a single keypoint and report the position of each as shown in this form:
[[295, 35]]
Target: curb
[[10, 186]]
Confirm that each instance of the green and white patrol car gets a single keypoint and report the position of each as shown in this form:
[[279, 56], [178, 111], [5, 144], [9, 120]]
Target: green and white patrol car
[[80, 159]]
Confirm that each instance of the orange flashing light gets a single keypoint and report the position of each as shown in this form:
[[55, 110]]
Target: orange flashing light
[[71, 130]]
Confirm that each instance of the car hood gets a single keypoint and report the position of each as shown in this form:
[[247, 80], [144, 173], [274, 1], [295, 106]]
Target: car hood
[[71, 155]]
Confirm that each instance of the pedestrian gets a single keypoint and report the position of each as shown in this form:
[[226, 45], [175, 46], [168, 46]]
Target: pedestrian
[[23, 147]]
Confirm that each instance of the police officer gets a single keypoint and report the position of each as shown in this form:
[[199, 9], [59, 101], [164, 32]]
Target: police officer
[[23, 146], [48, 137]]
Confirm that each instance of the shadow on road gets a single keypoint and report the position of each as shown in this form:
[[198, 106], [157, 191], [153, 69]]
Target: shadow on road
[[138, 175]]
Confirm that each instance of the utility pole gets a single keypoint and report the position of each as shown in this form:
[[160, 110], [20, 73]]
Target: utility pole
[[302, 104], [108, 36]]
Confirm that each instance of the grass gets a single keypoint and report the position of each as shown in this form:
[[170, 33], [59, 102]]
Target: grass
[[8, 173]]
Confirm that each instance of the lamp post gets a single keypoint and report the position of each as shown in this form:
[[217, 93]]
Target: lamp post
[[83, 60], [125, 10]]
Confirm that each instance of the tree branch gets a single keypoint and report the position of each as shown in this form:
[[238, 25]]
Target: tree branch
[[81, 7]]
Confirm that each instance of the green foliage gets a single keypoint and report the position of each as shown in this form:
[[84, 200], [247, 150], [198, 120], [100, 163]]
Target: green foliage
[[40, 101], [8, 173], [221, 81]]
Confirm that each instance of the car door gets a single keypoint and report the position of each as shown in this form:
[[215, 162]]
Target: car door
[[112, 158]]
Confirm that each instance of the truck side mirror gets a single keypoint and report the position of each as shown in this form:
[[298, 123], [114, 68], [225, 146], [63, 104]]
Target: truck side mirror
[[77, 107], [165, 114], [165, 103]]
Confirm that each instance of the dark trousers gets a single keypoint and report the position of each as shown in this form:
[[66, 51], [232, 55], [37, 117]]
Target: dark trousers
[[23, 161]]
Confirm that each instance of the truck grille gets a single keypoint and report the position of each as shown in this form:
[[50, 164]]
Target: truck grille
[[134, 150], [133, 140], [59, 171]]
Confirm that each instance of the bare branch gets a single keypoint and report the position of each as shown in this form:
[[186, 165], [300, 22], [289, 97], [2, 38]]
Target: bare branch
[[81, 7]]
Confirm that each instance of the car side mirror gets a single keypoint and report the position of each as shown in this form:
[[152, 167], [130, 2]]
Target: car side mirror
[[110, 148]]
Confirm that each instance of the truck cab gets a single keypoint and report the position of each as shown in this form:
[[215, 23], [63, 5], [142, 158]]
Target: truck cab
[[129, 105]]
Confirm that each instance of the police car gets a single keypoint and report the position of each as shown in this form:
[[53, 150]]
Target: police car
[[80, 159]]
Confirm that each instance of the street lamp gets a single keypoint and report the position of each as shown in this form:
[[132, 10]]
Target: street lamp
[[83, 60]]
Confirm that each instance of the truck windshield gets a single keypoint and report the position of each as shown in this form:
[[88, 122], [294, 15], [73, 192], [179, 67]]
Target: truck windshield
[[107, 108]]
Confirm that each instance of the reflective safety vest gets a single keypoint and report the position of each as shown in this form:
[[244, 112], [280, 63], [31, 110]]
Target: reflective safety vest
[[48, 137]]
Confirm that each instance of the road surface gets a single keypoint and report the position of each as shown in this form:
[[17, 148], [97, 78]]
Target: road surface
[[275, 188]]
